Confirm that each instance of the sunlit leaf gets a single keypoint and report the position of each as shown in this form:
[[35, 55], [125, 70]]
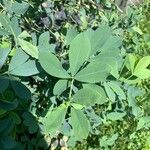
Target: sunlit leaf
[[93, 72], [79, 52], [79, 123], [52, 65], [28, 48], [54, 119]]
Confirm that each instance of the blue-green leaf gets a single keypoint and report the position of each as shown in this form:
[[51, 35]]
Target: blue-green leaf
[[93, 72], [21, 66], [116, 88], [21, 90], [54, 119], [8, 105], [102, 95], [30, 122], [79, 52], [3, 55], [19, 8], [52, 65], [141, 69], [60, 87], [116, 116], [71, 34], [29, 48], [80, 124], [4, 83], [87, 97]]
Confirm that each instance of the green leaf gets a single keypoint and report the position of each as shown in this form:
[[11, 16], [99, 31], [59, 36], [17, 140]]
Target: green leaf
[[4, 32], [130, 62], [110, 93], [60, 87], [16, 30], [112, 139], [132, 93], [108, 141], [137, 29], [3, 55], [93, 72], [2, 112], [141, 70], [8, 142], [79, 52], [10, 26], [5, 125], [21, 90], [52, 65], [24, 35], [71, 34], [112, 43], [79, 123], [102, 95], [27, 69], [116, 88], [16, 118], [54, 119], [30, 122], [29, 48], [143, 63], [98, 38], [5, 21], [4, 83], [19, 8], [87, 97], [109, 60], [143, 73], [19, 58], [21, 66], [44, 43], [114, 54], [116, 116], [8, 105], [77, 106], [143, 122]]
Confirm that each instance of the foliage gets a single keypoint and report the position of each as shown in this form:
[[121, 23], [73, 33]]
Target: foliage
[[74, 74]]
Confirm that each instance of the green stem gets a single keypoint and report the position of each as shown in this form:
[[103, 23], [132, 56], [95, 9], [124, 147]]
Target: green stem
[[4, 73], [129, 77], [71, 87], [122, 67]]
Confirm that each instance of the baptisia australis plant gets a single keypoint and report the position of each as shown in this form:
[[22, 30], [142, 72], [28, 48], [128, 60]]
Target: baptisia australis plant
[[93, 59]]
